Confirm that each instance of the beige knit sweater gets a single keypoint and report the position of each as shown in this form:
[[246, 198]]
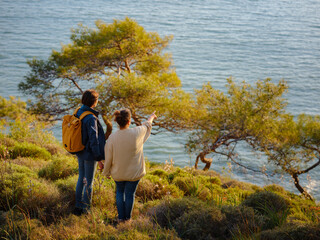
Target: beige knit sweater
[[124, 159]]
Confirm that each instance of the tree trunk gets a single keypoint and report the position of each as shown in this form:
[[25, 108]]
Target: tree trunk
[[207, 161], [299, 187], [109, 126]]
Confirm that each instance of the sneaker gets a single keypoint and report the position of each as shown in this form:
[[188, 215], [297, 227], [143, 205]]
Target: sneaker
[[77, 211]]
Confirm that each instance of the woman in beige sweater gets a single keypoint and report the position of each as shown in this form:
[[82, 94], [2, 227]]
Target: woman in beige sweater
[[124, 159]]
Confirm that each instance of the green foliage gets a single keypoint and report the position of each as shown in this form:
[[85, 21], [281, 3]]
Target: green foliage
[[292, 232], [244, 114], [67, 185], [168, 211], [17, 124], [177, 173], [20, 186], [26, 149], [159, 172], [215, 180], [123, 62], [190, 218], [61, 166], [294, 145], [201, 223], [275, 188], [237, 184], [304, 211], [271, 205], [6, 141], [152, 187], [3, 152], [104, 197], [242, 220], [192, 186]]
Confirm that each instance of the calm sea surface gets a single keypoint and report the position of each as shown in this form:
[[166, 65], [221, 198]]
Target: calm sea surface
[[213, 40]]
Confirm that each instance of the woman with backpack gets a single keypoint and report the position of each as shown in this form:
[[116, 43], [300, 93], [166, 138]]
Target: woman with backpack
[[93, 139], [124, 160]]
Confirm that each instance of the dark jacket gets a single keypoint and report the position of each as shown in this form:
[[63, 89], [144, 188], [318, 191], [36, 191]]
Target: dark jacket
[[92, 136]]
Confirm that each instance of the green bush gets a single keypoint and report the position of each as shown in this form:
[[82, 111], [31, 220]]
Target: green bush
[[201, 223], [292, 232], [67, 185], [241, 220], [152, 187], [4, 153], [159, 172], [192, 186], [304, 210], [274, 188], [215, 180], [237, 184], [271, 205], [26, 149], [103, 192], [190, 217], [54, 148], [178, 173], [6, 141], [21, 186], [60, 167], [169, 210]]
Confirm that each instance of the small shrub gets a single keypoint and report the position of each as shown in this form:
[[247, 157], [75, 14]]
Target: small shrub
[[169, 210], [292, 232], [269, 204], [190, 217], [152, 188], [192, 186], [201, 223], [22, 187], [236, 184], [4, 153], [29, 150], [30, 163], [259, 200], [103, 192], [60, 167], [160, 173], [215, 180], [67, 185], [177, 173], [148, 228], [54, 149], [6, 141], [274, 188], [241, 220], [304, 210]]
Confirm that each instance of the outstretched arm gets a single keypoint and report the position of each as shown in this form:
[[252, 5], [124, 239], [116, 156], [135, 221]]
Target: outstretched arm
[[151, 117]]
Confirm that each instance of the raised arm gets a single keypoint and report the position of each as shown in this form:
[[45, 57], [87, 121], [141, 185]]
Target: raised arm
[[151, 117]]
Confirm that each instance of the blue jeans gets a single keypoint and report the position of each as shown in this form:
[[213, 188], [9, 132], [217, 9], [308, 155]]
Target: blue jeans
[[87, 171], [125, 198]]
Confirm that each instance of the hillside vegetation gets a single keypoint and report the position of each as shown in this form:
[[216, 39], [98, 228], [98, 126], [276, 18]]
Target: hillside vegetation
[[37, 194]]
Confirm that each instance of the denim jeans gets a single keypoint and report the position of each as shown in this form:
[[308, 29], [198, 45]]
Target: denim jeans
[[87, 171], [125, 198]]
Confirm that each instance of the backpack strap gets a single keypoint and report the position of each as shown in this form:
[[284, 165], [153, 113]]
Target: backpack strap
[[75, 111], [86, 113]]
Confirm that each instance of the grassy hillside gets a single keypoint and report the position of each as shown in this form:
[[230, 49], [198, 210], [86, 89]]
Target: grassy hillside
[[37, 194]]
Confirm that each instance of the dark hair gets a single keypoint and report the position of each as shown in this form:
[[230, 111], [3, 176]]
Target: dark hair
[[122, 117], [89, 97]]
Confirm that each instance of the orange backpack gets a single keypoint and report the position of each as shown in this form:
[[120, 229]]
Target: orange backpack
[[71, 132]]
